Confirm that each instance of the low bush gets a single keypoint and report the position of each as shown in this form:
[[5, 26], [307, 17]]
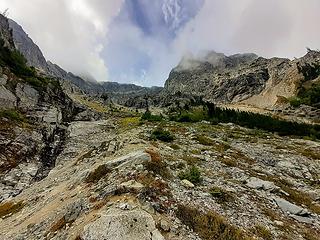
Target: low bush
[[15, 61], [221, 195], [193, 175], [13, 115], [157, 165], [162, 135], [295, 102], [209, 225], [204, 140], [262, 232], [310, 96], [148, 116], [9, 208]]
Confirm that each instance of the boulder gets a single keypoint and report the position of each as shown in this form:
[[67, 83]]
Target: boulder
[[28, 96], [257, 183], [131, 159], [291, 208], [116, 224], [7, 99], [132, 184]]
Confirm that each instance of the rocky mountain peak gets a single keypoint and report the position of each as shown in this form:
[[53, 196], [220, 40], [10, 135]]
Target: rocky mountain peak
[[242, 77], [5, 33], [213, 60], [27, 47]]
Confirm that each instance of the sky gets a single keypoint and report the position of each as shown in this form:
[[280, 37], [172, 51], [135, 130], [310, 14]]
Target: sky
[[140, 41]]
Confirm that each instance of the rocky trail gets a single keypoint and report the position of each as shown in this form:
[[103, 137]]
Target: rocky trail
[[111, 181]]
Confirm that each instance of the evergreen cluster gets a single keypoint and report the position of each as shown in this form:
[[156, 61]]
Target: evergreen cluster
[[17, 64], [216, 115], [310, 96]]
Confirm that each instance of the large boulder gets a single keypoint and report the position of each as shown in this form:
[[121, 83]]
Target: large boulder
[[28, 96], [117, 224], [259, 184], [8, 99], [291, 208]]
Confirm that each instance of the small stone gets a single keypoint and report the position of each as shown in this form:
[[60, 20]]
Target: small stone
[[139, 167], [132, 184], [125, 206], [165, 225], [279, 223], [186, 183]]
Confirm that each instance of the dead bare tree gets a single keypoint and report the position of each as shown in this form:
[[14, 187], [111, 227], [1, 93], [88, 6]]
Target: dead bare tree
[[6, 12]]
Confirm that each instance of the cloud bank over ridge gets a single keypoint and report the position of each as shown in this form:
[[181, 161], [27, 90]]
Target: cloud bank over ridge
[[140, 41]]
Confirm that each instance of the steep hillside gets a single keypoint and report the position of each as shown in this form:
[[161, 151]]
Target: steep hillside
[[34, 114]]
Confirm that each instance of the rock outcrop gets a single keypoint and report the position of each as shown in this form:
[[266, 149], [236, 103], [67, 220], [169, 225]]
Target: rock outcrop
[[34, 115], [122, 225], [243, 78]]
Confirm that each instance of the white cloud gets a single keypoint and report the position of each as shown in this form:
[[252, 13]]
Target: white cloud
[[71, 33], [81, 36], [267, 27]]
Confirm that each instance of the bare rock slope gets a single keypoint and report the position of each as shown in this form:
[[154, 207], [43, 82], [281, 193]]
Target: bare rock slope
[[243, 78]]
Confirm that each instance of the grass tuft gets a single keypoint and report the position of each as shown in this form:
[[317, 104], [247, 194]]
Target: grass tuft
[[9, 208], [193, 175], [209, 225], [162, 135]]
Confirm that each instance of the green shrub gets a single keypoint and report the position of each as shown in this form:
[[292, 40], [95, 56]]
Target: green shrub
[[162, 135], [15, 61], [204, 140], [295, 102], [13, 115], [221, 195], [311, 96], [36, 82], [192, 115], [259, 121], [193, 175], [148, 116]]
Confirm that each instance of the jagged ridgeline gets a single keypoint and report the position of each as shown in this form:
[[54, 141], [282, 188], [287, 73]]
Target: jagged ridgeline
[[249, 79]]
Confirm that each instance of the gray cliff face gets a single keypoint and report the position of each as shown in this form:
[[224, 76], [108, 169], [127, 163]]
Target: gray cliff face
[[219, 77], [33, 123], [5, 33], [237, 78]]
